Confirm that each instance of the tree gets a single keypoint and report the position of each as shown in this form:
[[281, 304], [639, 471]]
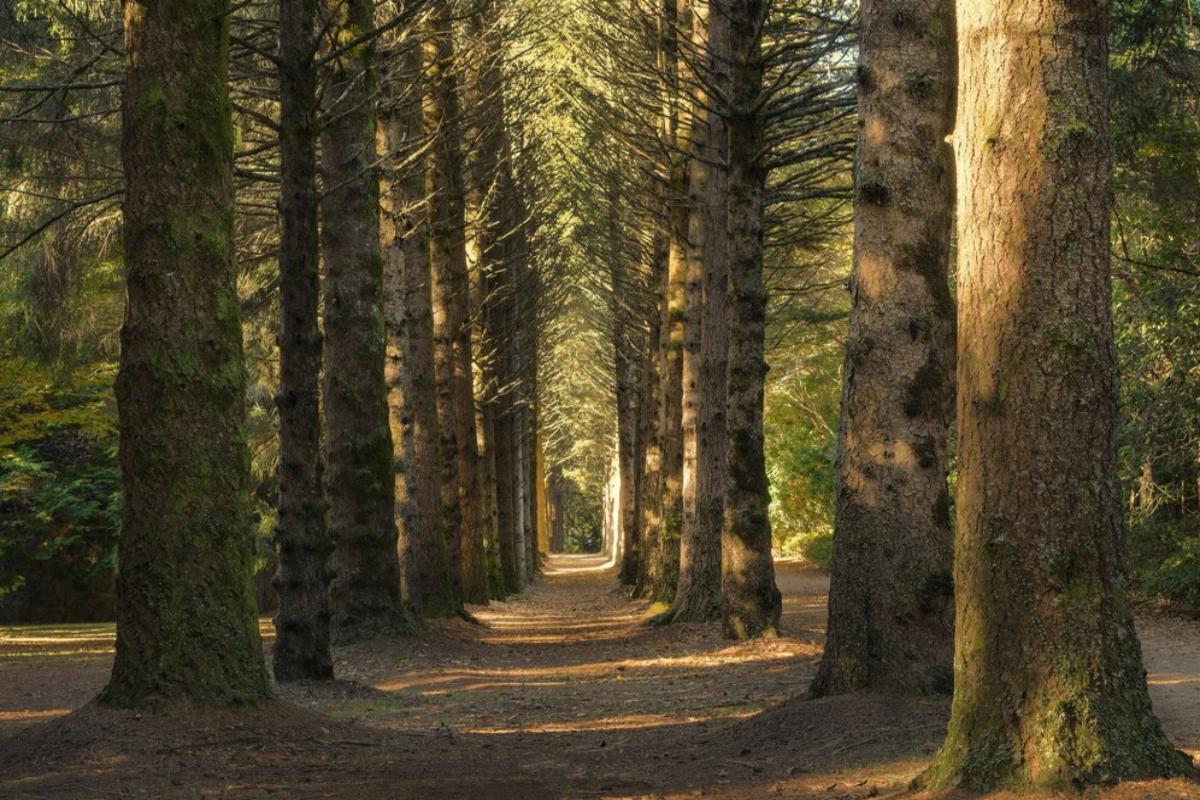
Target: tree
[[186, 623], [698, 596], [461, 499], [751, 599], [302, 539], [431, 591], [1049, 687], [360, 481], [890, 609]]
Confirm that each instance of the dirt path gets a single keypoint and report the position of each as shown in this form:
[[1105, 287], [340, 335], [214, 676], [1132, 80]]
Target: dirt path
[[560, 692]]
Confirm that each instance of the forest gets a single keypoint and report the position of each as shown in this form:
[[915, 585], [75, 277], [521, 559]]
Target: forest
[[600, 399]]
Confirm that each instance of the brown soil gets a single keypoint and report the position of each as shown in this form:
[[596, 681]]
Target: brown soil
[[560, 693]]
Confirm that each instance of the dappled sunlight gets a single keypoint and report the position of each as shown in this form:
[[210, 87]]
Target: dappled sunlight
[[623, 722], [28, 715]]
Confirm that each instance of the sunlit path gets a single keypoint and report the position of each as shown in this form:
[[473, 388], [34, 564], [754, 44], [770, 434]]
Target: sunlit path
[[566, 686]]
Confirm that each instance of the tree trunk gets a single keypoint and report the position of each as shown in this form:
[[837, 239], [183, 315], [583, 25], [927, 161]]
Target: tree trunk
[[652, 385], [360, 482], [302, 542], [431, 591], [451, 316], [676, 18], [752, 601], [1049, 686], [698, 597], [890, 597], [186, 623]]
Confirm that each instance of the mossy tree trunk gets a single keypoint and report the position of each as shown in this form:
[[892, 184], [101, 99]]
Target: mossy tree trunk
[[186, 621], [1049, 685], [698, 597], [890, 598], [360, 479], [751, 599], [302, 540], [461, 496]]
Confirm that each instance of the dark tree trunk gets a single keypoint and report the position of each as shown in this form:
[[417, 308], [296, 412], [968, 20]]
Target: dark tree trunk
[[302, 542], [432, 590], [1049, 685], [360, 481], [752, 601], [186, 622], [461, 499], [890, 598]]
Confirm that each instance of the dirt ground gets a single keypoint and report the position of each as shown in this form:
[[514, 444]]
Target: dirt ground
[[559, 693]]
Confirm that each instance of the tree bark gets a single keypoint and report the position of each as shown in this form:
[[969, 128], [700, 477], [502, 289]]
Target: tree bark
[[431, 590], [1049, 685], [751, 599], [676, 18], [360, 481], [186, 621], [461, 501], [891, 598], [302, 541], [698, 597]]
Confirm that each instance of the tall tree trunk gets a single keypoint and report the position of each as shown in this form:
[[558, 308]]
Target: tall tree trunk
[[186, 624], [451, 316], [676, 18], [626, 522], [751, 599], [431, 590], [365, 590], [698, 597], [652, 427], [890, 597], [1049, 686], [302, 540]]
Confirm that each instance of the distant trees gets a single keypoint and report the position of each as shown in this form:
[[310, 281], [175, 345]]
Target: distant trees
[[186, 627]]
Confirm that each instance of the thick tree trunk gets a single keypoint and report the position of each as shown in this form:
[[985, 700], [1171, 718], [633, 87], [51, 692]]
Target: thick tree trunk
[[302, 542], [360, 481], [698, 597], [751, 599], [890, 598], [1049, 686], [186, 625], [451, 316]]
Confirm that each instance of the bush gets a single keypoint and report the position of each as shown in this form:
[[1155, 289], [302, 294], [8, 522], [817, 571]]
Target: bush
[[1165, 558]]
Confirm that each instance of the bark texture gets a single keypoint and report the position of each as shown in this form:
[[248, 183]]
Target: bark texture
[[1049, 686], [186, 624], [891, 598], [360, 479], [676, 22], [751, 599], [462, 500], [431, 591], [698, 597], [302, 541]]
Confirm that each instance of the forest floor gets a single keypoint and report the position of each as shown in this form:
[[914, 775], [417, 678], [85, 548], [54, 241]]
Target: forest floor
[[562, 692]]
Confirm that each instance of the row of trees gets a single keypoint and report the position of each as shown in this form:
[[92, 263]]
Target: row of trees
[[1047, 675], [409, 472]]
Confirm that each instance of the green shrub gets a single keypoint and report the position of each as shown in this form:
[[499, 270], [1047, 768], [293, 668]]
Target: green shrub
[[1165, 557]]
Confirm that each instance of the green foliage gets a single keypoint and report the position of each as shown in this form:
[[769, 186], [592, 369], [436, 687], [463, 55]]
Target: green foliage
[[1166, 558]]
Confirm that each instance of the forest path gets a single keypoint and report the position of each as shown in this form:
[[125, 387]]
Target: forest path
[[561, 692]]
